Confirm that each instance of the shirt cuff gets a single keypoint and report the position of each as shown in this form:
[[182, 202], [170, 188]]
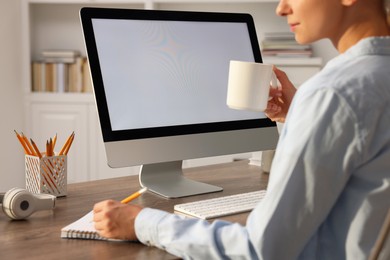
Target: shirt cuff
[[146, 225]]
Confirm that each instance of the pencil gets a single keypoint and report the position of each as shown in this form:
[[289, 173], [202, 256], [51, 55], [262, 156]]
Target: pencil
[[51, 147], [47, 149], [28, 144], [134, 195], [70, 143], [26, 150], [37, 152], [54, 142], [66, 144]]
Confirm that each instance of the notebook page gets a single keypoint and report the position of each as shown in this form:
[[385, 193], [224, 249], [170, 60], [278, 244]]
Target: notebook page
[[82, 228]]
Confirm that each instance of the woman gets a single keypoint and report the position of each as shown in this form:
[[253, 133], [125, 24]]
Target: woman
[[329, 189]]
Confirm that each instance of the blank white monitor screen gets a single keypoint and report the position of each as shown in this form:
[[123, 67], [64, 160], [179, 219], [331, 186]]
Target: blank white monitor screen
[[160, 83], [169, 70]]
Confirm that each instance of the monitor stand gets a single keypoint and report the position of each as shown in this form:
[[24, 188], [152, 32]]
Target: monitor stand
[[166, 179]]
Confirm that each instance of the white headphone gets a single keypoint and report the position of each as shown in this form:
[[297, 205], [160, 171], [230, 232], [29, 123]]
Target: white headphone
[[19, 203]]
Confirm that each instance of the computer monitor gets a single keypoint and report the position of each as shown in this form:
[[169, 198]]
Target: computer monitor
[[160, 84]]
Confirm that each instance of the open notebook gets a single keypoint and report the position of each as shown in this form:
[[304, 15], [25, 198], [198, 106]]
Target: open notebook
[[83, 228]]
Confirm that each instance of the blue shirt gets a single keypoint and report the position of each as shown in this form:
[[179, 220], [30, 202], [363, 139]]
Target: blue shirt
[[329, 190]]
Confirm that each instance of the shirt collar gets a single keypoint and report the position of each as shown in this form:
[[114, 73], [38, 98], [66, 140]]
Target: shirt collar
[[366, 46]]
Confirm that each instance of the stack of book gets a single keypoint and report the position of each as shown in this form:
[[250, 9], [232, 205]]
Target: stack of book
[[284, 45], [61, 71]]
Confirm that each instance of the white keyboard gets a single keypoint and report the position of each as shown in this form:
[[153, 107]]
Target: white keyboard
[[222, 206]]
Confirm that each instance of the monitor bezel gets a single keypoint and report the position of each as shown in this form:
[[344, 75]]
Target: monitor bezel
[[109, 135]]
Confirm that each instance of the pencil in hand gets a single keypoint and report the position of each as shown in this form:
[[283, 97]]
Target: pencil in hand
[[134, 195]]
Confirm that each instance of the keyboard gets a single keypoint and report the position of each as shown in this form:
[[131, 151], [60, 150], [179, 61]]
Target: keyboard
[[222, 206]]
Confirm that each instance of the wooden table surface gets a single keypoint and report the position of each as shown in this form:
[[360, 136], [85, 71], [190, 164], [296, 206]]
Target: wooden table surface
[[38, 237]]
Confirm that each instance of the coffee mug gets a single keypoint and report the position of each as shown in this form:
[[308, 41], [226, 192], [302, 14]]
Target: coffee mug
[[249, 84]]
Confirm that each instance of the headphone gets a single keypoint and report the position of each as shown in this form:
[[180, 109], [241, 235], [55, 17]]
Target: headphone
[[19, 203]]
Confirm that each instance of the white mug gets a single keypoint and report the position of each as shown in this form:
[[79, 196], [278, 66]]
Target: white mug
[[249, 84]]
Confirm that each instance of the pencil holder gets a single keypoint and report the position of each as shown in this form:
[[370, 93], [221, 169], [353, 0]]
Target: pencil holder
[[46, 174]]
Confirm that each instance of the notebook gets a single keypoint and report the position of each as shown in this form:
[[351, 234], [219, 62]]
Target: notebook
[[83, 228]]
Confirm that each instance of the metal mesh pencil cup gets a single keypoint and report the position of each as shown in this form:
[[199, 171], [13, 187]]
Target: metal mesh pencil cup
[[46, 174]]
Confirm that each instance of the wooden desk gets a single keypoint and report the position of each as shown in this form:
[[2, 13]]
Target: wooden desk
[[38, 237]]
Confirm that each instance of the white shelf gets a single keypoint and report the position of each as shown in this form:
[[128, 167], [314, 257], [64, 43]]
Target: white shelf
[[58, 98], [314, 61]]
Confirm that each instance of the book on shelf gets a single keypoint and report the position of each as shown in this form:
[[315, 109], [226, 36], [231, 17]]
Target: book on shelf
[[61, 77], [283, 44], [279, 35], [51, 77], [75, 76], [60, 56], [288, 53], [44, 77], [38, 76], [86, 81]]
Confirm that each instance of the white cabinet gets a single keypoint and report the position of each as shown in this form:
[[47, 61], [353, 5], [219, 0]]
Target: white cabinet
[[48, 115], [51, 114], [54, 24]]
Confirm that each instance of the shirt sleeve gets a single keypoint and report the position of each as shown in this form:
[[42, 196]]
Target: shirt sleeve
[[311, 165], [191, 238]]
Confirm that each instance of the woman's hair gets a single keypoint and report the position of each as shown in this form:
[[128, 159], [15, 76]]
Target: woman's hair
[[386, 4]]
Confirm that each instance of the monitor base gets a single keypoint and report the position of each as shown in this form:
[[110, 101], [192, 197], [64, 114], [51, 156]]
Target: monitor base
[[166, 179]]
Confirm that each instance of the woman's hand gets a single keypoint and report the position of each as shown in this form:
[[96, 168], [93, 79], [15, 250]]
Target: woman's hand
[[282, 97], [115, 220]]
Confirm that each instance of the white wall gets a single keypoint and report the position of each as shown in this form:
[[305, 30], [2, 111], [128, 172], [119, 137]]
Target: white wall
[[325, 49], [11, 101]]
